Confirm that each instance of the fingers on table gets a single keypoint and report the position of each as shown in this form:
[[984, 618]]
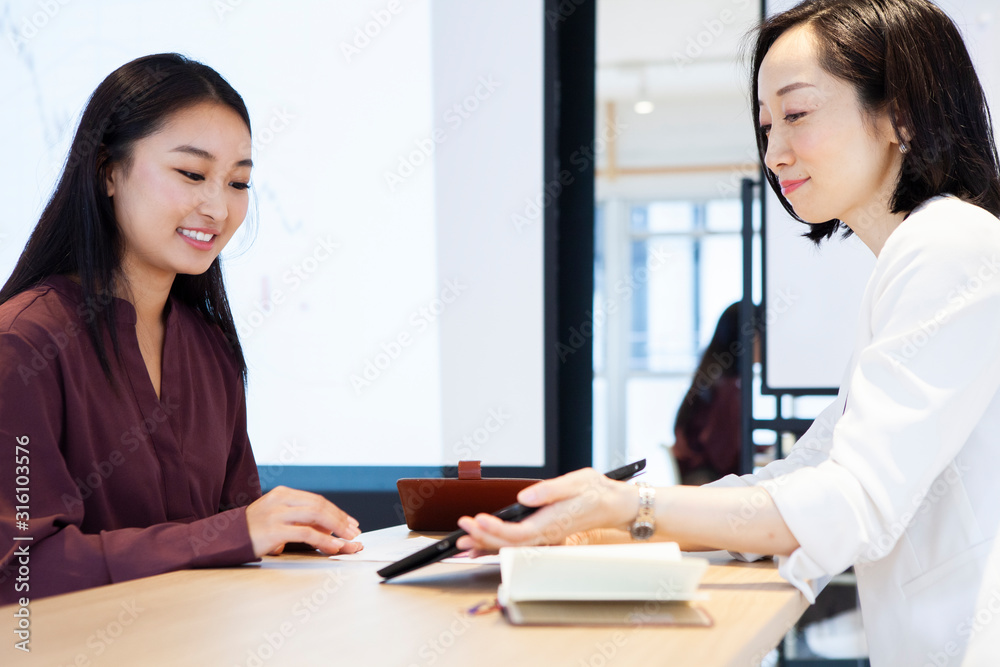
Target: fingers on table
[[312, 509]]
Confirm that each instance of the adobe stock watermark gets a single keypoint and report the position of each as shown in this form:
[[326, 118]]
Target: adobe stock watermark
[[580, 159], [920, 504], [621, 292], [604, 651], [293, 278], [279, 121], [434, 648], [808, 451], [750, 169], [365, 34], [419, 322], [454, 117], [290, 451], [464, 449], [956, 298], [563, 11], [134, 438], [723, 360], [301, 612], [30, 26], [87, 311], [225, 7], [979, 621], [104, 637], [712, 29]]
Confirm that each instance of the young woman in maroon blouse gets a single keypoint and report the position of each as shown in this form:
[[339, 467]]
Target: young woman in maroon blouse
[[121, 374]]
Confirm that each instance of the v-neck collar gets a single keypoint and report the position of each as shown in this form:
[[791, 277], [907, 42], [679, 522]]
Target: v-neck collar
[[126, 319], [157, 413]]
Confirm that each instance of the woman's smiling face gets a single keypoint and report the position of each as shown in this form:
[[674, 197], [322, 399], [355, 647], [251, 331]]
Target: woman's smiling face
[[833, 159], [183, 194]]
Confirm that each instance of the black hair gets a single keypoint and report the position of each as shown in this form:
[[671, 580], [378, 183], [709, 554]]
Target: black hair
[[77, 233], [905, 57]]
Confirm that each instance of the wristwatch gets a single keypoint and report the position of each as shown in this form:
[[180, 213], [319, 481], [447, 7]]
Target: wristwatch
[[645, 522]]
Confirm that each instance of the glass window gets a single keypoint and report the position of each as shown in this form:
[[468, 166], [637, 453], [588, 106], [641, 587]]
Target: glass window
[[652, 404], [599, 291], [662, 316], [664, 217], [724, 215], [720, 273], [685, 267]]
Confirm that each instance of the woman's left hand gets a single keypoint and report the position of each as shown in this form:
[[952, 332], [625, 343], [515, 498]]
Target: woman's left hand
[[584, 500]]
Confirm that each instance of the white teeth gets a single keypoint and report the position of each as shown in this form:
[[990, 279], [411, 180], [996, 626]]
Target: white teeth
[[197, 236]]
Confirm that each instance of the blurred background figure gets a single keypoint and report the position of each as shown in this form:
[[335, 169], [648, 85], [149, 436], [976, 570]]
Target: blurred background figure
[[707, 429]]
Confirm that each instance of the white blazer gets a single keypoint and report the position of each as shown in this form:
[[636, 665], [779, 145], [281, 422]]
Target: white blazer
[[984, 644], [900, 476]]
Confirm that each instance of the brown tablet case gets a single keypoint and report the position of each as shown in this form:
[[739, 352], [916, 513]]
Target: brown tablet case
[[435, 504]]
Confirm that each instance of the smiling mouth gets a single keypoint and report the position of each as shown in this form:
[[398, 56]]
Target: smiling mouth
[[195, 235], [787, 187]]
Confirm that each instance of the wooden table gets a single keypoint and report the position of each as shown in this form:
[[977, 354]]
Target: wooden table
[[305, 609]]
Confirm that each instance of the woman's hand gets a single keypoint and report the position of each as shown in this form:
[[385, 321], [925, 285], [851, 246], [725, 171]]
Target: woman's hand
[[286, 515], [583, 501]]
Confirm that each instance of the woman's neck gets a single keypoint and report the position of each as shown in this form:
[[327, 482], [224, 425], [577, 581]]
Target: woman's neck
[[147, 292]]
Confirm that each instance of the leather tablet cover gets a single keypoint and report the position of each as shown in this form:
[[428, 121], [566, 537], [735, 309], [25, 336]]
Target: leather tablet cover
[[435, 504]]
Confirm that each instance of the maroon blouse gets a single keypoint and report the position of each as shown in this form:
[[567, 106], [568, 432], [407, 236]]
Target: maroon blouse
[[712, 440], [119, 484]]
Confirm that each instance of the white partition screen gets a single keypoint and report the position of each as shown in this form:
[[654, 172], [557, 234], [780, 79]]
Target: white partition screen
[[391, 312]]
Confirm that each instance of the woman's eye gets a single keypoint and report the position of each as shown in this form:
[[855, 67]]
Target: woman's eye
[[240, 186], [191, 175], [764, 130], [792, 117]]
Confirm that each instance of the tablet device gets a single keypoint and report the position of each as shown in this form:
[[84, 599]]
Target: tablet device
[[445, 547]]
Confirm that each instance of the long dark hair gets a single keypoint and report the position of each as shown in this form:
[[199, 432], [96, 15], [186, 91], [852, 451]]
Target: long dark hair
[[908, 58], [77, 232], [722, 359]]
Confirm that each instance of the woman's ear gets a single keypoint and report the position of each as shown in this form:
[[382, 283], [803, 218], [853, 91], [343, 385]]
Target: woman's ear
[[901, 125], [105, 171]]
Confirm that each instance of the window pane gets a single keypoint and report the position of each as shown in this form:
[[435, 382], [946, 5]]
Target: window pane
[[721, 278], [652, 408], [664, 295], [724, 215], [599, 291], [664, 217]]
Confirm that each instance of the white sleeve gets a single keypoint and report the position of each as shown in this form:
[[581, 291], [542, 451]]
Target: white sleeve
[[917, 392], [810, 450]]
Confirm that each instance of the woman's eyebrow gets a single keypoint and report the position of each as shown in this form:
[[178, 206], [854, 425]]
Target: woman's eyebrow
[[787, 89], [793, 86], [205, 155]]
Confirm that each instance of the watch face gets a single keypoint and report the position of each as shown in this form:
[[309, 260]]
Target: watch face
[[642, 531]]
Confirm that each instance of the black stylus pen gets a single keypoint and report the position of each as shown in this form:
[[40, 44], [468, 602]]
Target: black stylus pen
[[446, 547]]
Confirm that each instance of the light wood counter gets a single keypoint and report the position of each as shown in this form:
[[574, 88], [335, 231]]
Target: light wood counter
[[305, 609]]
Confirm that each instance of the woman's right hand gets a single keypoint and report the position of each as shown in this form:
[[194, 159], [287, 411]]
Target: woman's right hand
[[286, 515], [578, 507]]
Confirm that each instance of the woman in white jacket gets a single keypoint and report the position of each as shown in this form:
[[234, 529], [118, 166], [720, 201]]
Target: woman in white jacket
[[872, 121]]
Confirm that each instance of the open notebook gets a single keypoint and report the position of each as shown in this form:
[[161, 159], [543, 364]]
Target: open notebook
[[604, 584]]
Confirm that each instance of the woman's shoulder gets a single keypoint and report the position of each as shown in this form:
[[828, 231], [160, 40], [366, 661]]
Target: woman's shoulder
[[945, 228], [36, 314], [951, 220]]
